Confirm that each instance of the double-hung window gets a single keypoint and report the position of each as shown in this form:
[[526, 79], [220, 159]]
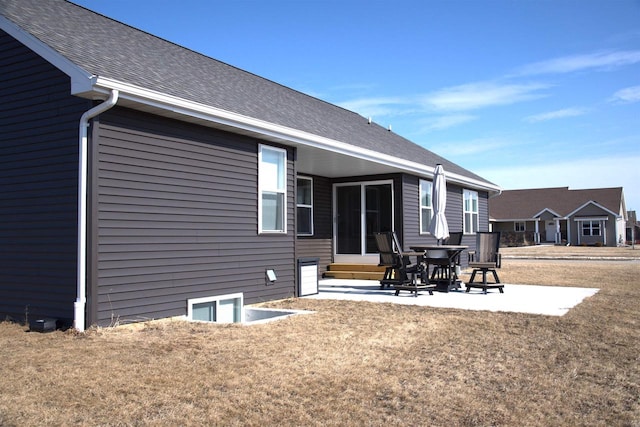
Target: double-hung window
[[520, 226], [591, 228], [272, 190], [304, 205], [470, 207], [426, 208]]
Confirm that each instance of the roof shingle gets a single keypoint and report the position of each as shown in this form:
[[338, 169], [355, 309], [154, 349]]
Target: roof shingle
[[524, 204], [107, 48]]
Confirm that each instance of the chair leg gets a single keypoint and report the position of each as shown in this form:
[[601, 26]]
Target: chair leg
[[495, 276], [473, 276]]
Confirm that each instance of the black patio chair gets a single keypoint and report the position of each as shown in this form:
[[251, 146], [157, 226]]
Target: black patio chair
[[486, 258], [441, 270], [399, 272]]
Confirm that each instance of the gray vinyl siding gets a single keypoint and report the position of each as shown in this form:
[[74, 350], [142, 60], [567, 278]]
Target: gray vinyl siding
[[177, 219], [320, 244], [608, 232], [38, 186], [483, 210], [411, 214]]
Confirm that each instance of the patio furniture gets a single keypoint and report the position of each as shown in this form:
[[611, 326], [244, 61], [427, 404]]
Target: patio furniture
[[443, 258], [486, 258], [399, 271], [441, 270]]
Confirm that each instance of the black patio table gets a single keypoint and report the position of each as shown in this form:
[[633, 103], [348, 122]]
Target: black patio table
[[444, 259]]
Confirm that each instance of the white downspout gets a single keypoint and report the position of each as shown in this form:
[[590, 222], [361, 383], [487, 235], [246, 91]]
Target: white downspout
[[81, 300]]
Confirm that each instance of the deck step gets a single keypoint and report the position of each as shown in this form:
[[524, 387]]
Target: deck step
[[354, 271]]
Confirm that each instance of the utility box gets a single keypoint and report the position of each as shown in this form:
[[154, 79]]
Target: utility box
[[43, 325], [307, 276]]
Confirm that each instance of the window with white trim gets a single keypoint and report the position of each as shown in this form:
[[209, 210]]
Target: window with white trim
[[520, 226], [470, 217], [272, 190], [591, 228], [426, 208], [219, 309], [304, 205]]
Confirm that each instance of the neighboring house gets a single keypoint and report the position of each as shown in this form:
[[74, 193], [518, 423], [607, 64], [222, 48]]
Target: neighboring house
[[633, 228], [144, 180], [559, 215]]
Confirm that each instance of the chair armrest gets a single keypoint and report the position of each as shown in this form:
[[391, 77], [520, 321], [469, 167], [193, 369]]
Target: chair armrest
[[498, 260], [412, 253]]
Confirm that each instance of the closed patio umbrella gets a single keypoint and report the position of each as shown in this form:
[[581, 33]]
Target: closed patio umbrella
[[439, 227]]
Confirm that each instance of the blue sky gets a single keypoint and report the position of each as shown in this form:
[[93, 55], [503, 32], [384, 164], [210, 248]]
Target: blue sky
[[527, 94]]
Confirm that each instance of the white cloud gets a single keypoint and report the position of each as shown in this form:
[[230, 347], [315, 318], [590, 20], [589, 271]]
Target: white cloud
[[558, 114], [445, 122], [377, 106], [457, 149], [627, 95], [586, 173], [474, 96], [569, 64]]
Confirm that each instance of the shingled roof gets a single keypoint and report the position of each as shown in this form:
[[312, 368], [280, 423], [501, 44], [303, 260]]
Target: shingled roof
[[103, 47], [525, 204]]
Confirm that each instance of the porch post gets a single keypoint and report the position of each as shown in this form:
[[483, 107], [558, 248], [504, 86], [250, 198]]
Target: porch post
[[579, 230]]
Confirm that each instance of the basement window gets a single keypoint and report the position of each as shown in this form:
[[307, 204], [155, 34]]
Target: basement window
[[217, 309]]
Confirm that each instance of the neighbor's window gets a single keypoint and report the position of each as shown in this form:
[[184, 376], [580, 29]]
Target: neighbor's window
[[591, 228], [520, 226], [426, 209], [304, 204], [471, 217], [272, 189]]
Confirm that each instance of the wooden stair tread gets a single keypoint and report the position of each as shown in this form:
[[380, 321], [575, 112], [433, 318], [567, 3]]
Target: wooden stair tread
[[354, 271]]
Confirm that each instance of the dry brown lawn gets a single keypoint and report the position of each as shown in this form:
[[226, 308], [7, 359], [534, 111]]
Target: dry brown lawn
[[350, 363]]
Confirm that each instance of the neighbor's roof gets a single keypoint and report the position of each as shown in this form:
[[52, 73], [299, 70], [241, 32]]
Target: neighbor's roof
[[525, 204], [109, 51]]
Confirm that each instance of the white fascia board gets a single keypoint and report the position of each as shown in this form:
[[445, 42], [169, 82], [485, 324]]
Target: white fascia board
[[550, 211], [81, 80], [228, 118], [590, 218], [591, 202]]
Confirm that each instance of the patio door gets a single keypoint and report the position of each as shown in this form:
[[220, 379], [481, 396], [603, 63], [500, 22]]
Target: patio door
[[360, 210]]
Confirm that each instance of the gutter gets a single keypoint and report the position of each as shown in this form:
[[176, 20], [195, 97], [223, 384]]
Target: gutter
[[81, 299], [180, 106]]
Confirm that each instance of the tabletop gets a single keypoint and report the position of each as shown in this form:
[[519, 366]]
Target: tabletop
[[422, 248]]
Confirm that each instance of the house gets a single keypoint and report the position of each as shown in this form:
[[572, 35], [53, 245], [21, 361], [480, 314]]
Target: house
[[143, 180], [559, 215], [633, 228]]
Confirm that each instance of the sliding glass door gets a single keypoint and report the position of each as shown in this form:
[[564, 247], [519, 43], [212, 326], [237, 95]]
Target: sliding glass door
[[360, 210]]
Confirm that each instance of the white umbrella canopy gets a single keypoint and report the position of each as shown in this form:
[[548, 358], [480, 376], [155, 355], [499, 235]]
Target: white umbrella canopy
[[439, 227]]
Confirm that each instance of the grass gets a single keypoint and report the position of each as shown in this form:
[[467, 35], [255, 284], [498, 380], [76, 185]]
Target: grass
[[349, 364]]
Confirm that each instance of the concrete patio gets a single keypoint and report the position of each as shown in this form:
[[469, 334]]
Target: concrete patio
[[545, 300]]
